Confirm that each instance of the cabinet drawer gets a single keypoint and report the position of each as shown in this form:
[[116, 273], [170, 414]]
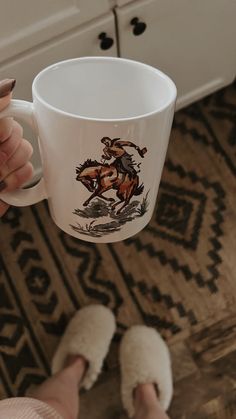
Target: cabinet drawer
[[78, 43], [26, 23], [191, 41]]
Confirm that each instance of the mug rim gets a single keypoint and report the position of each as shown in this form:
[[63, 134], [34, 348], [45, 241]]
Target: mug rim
[[170, 83]]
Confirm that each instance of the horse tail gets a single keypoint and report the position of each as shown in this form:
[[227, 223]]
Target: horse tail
[[139, 190]]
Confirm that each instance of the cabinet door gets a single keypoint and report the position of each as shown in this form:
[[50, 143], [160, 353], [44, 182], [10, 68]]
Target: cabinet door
[[81, 42], [26, 23], [122, 2], [193, 41]]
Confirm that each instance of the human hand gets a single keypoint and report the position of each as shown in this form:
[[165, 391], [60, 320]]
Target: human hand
[[15, 151]]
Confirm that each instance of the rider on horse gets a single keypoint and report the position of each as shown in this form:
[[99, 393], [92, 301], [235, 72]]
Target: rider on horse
[[123, 161]]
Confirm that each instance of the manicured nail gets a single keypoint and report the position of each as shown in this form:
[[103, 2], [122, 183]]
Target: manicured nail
[[6, 86], [3, 185]]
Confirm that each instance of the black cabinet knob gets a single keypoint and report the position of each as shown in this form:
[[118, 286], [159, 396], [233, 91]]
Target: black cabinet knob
[[106, 42], [138, 27]]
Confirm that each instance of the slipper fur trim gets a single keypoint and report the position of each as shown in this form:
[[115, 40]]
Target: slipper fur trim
[[144, 358], [89, 334]]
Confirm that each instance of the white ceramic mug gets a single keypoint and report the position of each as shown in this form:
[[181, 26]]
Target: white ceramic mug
[[103, 125]]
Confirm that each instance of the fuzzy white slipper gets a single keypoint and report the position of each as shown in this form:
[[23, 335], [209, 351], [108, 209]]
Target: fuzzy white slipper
[[144, 358], [89, 334]]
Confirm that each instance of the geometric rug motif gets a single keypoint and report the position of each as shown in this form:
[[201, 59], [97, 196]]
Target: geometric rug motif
[[182, 214], [211, 123]]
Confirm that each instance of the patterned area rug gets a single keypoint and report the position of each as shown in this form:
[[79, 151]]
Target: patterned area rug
[[177, 275]]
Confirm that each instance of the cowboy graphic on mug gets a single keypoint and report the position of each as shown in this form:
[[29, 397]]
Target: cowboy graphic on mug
[[120, 174]]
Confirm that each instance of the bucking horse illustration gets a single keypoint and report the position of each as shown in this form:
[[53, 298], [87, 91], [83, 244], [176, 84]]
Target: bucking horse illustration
[[120, 175]]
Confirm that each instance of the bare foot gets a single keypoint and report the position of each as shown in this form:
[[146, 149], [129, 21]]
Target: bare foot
[[78, 365], [146, 403]]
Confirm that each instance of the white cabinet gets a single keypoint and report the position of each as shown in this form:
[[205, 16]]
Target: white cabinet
[[193, 41], [120, 3], [76, 43], [26, 23]]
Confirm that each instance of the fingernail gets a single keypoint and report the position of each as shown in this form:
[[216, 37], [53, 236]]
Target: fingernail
[[6, 86], [3, 185]]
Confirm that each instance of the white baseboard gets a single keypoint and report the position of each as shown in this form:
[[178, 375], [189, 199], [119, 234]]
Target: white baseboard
[[201, 92]]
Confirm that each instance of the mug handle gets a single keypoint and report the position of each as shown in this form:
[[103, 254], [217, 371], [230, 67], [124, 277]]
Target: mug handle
[[23, 197]]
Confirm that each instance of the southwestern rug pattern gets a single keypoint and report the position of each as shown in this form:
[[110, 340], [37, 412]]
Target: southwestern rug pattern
[[177, 275]]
